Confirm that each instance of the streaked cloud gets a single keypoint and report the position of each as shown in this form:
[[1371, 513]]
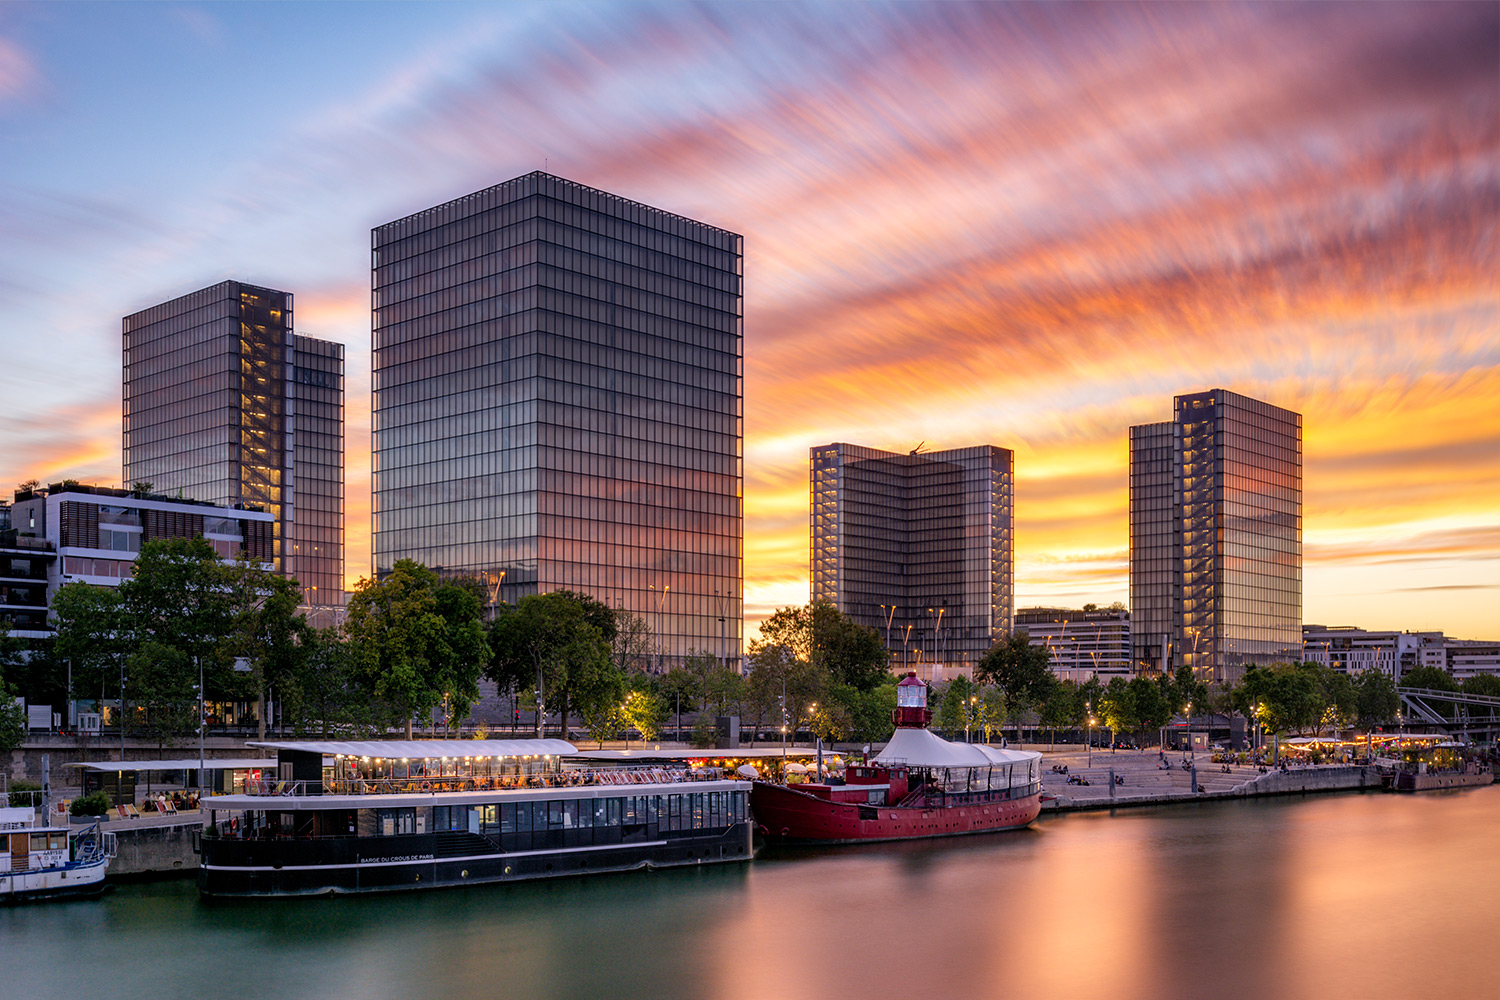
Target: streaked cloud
[[1022, 224]]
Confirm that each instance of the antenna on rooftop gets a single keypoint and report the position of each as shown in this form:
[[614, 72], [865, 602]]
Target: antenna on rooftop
[[918, 449]]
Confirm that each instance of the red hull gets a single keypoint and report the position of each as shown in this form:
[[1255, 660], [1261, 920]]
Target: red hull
[[783, 813]]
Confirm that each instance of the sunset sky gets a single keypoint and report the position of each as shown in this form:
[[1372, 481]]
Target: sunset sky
[[1027, 226]]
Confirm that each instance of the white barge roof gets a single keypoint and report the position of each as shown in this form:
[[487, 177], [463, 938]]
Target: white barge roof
[[289, 803], [924, 748], [209, 764], [426, 749]]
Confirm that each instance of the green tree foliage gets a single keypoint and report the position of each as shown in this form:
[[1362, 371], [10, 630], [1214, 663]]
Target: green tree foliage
[[565, 639], [1018, 669], [267, 631], [322, 696], [12, 718], [1116, 707], [1149, 704], [1429, 678], [647, 711], [91, 634], [414, 640], [864, 716], [829, 641], [781, 688], [681, 686], [1375, 698], [1284, 697]]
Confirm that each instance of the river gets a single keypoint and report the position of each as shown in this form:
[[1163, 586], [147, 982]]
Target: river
[[1349, 895]]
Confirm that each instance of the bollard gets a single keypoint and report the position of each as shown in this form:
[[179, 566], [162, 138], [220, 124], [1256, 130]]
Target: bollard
[[1111, 784]]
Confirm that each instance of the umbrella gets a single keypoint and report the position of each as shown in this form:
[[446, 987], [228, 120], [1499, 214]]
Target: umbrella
[[795, 768], [748, 770]]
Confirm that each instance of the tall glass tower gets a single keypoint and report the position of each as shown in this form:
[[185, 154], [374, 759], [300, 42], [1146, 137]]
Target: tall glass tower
[[224, 403], [1216, 537], [558, 403], [919, 547]]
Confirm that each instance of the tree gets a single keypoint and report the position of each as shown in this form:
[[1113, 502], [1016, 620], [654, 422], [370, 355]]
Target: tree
[[174, 613], [1117, 706], [1149, 704], [557, 639], [267, 630], [414, 640], [781, 685], [1063, 707], [825, 638], [1375, 698], [1018, 669], [322, 695], [631, 644], [12, 718], [647, 711]]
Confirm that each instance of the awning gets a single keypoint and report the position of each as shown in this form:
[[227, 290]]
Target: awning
[[427, 749], [209, 764], [924, 748]]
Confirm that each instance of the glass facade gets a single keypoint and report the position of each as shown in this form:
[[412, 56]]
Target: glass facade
[[211, 392], [558, 403], [919, 547], [1216, 536], [317, 468]]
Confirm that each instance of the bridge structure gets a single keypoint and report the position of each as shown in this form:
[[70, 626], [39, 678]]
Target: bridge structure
[[1474, 717]]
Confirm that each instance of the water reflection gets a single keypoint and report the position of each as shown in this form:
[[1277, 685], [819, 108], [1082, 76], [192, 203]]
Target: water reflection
[[1343, 896]]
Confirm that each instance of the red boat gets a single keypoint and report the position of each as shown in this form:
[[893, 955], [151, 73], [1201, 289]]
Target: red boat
[[920, 785]]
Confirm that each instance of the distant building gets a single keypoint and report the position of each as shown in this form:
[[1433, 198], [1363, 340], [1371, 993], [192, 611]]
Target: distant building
[[919, 547], [1216, 537], [224, 403], [558, 404], [1354, 650], [92, 534], [1081, 644]]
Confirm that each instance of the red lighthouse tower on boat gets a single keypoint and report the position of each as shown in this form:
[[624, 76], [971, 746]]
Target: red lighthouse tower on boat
[[920, 785], [911, 703]]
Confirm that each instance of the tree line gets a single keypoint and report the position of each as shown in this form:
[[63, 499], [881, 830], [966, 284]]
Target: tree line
[[412, 643]]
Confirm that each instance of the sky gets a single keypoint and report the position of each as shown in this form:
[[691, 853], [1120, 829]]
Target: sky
[[1021, 225]]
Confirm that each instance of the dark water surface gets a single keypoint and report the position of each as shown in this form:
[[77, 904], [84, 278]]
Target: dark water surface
[[1355, 895]]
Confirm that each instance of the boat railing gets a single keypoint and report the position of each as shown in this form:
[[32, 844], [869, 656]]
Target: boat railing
[[623, 776]]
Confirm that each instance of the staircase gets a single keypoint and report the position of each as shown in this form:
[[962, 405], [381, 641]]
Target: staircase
[[457, 844]]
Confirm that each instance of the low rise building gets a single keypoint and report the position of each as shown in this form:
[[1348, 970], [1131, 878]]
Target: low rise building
[[70, 533], [1080, 643], [1352, 650]]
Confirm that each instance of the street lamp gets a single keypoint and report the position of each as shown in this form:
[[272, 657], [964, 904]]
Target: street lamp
[[1092, 720], [626, 720], [968, 717]]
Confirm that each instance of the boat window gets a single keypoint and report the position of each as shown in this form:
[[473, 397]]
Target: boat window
[[698, 810], [570, 814], [538, 816], [601, 812], [508, 818], [555, 815], [395, 822]]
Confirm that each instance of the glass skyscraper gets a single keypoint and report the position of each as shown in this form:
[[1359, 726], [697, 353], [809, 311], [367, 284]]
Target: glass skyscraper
[[224, 403], [1216, 537], [558, 403], [919, 547]]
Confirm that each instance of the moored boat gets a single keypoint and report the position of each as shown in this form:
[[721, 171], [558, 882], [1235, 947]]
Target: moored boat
[[346, 817], [920, 785], [38, 861]]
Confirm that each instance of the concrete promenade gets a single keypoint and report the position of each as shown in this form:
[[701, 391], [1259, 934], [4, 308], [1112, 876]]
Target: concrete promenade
[[1144, 783]]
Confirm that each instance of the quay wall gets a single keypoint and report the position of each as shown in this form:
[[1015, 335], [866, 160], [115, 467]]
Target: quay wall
[[1313, 779], [154, 851]]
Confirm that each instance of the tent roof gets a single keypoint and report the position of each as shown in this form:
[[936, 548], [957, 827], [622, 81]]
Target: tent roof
[[428, 749], [924, 748]]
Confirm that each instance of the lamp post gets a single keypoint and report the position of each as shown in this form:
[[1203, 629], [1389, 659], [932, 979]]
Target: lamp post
[[661, 603], [906, 649], [1091, 739], [969, 717], [626, 719]]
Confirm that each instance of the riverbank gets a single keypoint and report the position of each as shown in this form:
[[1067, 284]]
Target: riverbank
[[1132, 778]]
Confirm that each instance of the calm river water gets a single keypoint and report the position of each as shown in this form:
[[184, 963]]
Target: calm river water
[[1355, 895]]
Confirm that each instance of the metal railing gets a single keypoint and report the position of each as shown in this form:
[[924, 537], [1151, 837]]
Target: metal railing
[[435, 784]]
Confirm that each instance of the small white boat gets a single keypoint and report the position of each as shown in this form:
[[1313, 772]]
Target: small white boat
[[47, 862]]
